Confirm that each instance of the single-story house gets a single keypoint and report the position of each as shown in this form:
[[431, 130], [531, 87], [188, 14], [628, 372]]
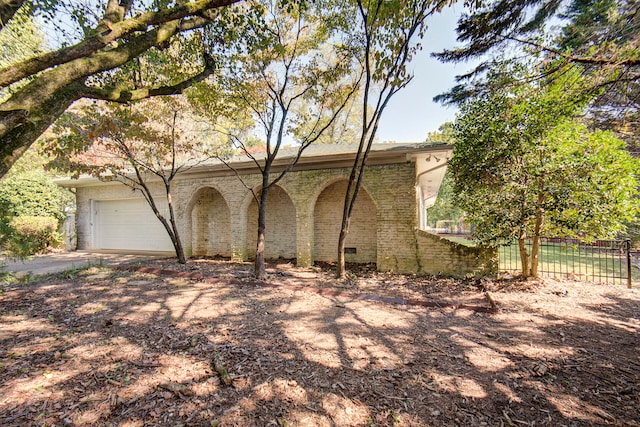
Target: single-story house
[[217, 214]]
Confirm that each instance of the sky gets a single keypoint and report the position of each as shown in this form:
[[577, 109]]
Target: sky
[[411, 113]]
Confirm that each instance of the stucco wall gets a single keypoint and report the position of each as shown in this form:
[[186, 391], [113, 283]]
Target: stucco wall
[[217, 216]]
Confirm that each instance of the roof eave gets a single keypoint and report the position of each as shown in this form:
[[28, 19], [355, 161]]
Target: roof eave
[[401, 154]]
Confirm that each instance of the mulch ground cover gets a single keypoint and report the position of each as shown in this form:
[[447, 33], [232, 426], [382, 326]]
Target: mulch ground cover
[[204, 344]]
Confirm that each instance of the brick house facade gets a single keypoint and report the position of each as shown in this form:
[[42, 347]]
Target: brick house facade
[[217, 214]]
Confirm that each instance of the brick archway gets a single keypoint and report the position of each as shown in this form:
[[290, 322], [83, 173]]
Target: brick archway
[[362, 238], [210, 220], [280, 233]]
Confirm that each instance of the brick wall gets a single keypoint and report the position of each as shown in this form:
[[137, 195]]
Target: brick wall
[[217, 215], [211, 224], [440, 256]]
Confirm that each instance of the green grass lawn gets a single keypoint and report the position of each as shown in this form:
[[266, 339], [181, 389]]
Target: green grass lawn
[[560, 260]]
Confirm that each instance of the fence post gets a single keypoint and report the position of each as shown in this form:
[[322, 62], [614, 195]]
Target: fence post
[[628, 248]]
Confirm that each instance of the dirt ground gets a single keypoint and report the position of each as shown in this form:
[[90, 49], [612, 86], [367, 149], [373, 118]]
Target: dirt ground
[[108, 347]]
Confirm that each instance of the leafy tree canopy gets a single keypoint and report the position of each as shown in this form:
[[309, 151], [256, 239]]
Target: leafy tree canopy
[[600, 36], [144, 145], [523, 167], [103, 36]]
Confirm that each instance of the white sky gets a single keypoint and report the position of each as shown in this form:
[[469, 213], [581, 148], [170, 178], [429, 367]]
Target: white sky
[[411, 113]]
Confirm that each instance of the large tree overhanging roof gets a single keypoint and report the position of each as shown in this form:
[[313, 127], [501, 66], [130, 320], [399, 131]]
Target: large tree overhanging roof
[[320, 156]]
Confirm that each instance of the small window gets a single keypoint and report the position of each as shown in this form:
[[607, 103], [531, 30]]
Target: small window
[[350, 250]]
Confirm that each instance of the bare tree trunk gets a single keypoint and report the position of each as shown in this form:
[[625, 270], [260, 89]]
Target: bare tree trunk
[[344, 231], [535, 248], [170, 226], [177, 245], [353, 188], [349, 200], [172, 231], [259, 270], [524, 257], [175, 237]]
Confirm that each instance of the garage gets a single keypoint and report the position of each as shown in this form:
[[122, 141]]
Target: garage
[[129, 225]]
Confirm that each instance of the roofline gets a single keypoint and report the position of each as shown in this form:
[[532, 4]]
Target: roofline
[[394, 155]]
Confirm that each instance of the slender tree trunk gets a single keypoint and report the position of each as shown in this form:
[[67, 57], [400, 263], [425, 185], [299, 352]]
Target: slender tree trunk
[[177, 246], [535, 248], [172, 231], [353, 188], [259, 270], [344, 231], [524, 256], [341, 270], [170, 226], [175, 238]]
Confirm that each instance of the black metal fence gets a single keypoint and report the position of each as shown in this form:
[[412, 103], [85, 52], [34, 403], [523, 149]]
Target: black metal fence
[[603, 261]]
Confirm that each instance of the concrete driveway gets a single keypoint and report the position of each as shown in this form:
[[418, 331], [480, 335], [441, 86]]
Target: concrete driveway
[[55, 263]]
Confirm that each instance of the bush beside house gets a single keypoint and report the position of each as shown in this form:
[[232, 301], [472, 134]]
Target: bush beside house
[[31, 212]]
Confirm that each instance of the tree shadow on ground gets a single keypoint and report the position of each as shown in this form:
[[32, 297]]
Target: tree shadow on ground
[[120, 348]]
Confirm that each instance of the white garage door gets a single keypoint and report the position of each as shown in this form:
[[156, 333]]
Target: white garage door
[[129, 225]]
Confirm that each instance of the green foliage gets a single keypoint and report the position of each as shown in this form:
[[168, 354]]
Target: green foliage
[[519, 158], [33, 193], [95, 43], [20, 39], [600, 36], [155, 137], [32, 235], [609, 29], [31, 209], [445, 133], [280, 75], [159, 66]]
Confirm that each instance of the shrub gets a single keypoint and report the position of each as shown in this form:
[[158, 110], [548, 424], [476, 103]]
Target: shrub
[[32, 193], [32, 235]]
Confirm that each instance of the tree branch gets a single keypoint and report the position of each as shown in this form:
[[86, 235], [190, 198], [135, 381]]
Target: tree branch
[[589, 60], [8, 8], [106, 34], [126, 96]]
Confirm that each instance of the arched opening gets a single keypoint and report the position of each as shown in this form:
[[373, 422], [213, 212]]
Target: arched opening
[[211, 224], [362, 242], [280, 232]]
